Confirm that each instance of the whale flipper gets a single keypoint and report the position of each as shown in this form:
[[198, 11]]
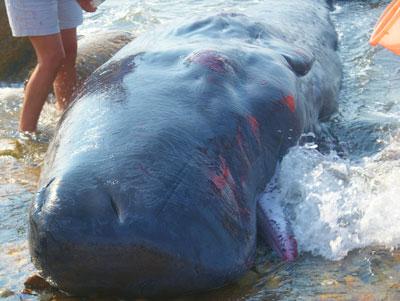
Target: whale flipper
[[273, 226]]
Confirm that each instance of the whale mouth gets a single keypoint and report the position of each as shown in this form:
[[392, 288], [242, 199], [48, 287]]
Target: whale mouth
[[110, 270]]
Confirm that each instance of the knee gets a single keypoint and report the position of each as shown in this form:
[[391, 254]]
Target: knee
[[52, 60]]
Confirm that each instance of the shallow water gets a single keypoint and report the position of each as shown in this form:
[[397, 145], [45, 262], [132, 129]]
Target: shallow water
[[342, 203]]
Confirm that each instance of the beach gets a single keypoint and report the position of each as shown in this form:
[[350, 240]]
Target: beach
[[340, 193]]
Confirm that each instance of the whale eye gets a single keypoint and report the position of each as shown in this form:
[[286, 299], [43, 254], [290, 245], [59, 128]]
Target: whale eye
[[300, 61]]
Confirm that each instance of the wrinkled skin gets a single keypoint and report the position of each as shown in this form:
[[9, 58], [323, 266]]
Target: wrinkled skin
[[151, 182]]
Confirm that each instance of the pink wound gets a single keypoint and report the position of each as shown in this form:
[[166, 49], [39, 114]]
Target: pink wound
[[255, 127], [289, 101], [210, 59]]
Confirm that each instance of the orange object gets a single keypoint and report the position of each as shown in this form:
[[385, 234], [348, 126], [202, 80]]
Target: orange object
[[387, 30]]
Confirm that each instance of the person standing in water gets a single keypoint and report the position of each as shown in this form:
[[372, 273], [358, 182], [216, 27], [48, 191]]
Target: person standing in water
[[51, 26]]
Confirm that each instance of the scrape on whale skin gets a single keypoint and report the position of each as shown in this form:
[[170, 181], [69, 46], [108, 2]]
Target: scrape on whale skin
[[150, 184]]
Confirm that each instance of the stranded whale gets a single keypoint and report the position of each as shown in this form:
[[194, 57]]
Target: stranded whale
[[151, 182]]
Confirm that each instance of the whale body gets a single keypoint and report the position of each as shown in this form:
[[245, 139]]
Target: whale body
[[151, 182]]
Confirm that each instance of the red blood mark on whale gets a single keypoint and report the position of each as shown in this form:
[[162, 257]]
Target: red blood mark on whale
[[210, 59], [289, 101], [255, 127], [226, 186], [239, 140], [225, 183], [221, 180]]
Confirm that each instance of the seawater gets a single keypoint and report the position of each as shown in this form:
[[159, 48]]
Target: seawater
[[342, 202]]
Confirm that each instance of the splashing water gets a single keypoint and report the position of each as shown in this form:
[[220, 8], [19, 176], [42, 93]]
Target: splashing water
[[336, 205]]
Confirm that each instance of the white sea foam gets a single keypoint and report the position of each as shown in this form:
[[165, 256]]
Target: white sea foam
[[335, 205]]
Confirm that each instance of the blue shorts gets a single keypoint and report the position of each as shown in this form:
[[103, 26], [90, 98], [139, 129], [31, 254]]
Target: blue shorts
[[42, 17]]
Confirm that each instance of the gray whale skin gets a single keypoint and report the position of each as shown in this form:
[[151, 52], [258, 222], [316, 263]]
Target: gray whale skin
[[151, 182]]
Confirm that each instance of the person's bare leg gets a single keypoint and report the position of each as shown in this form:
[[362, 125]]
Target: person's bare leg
[[65, 82], [87, 5], [50, 53]]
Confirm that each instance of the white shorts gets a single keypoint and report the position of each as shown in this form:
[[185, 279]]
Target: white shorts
[[42, 17]]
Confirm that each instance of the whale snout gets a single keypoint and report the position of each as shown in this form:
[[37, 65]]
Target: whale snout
[[78, 232], [80, 229]]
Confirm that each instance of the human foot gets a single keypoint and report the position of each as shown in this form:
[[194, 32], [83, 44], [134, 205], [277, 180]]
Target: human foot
[[87, 5]]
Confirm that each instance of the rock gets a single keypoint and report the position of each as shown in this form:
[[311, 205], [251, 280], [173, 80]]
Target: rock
[[95, 50], [5, 293], [331, 297], [351, 280], [36, 283], [11, 147], [17, 56]]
